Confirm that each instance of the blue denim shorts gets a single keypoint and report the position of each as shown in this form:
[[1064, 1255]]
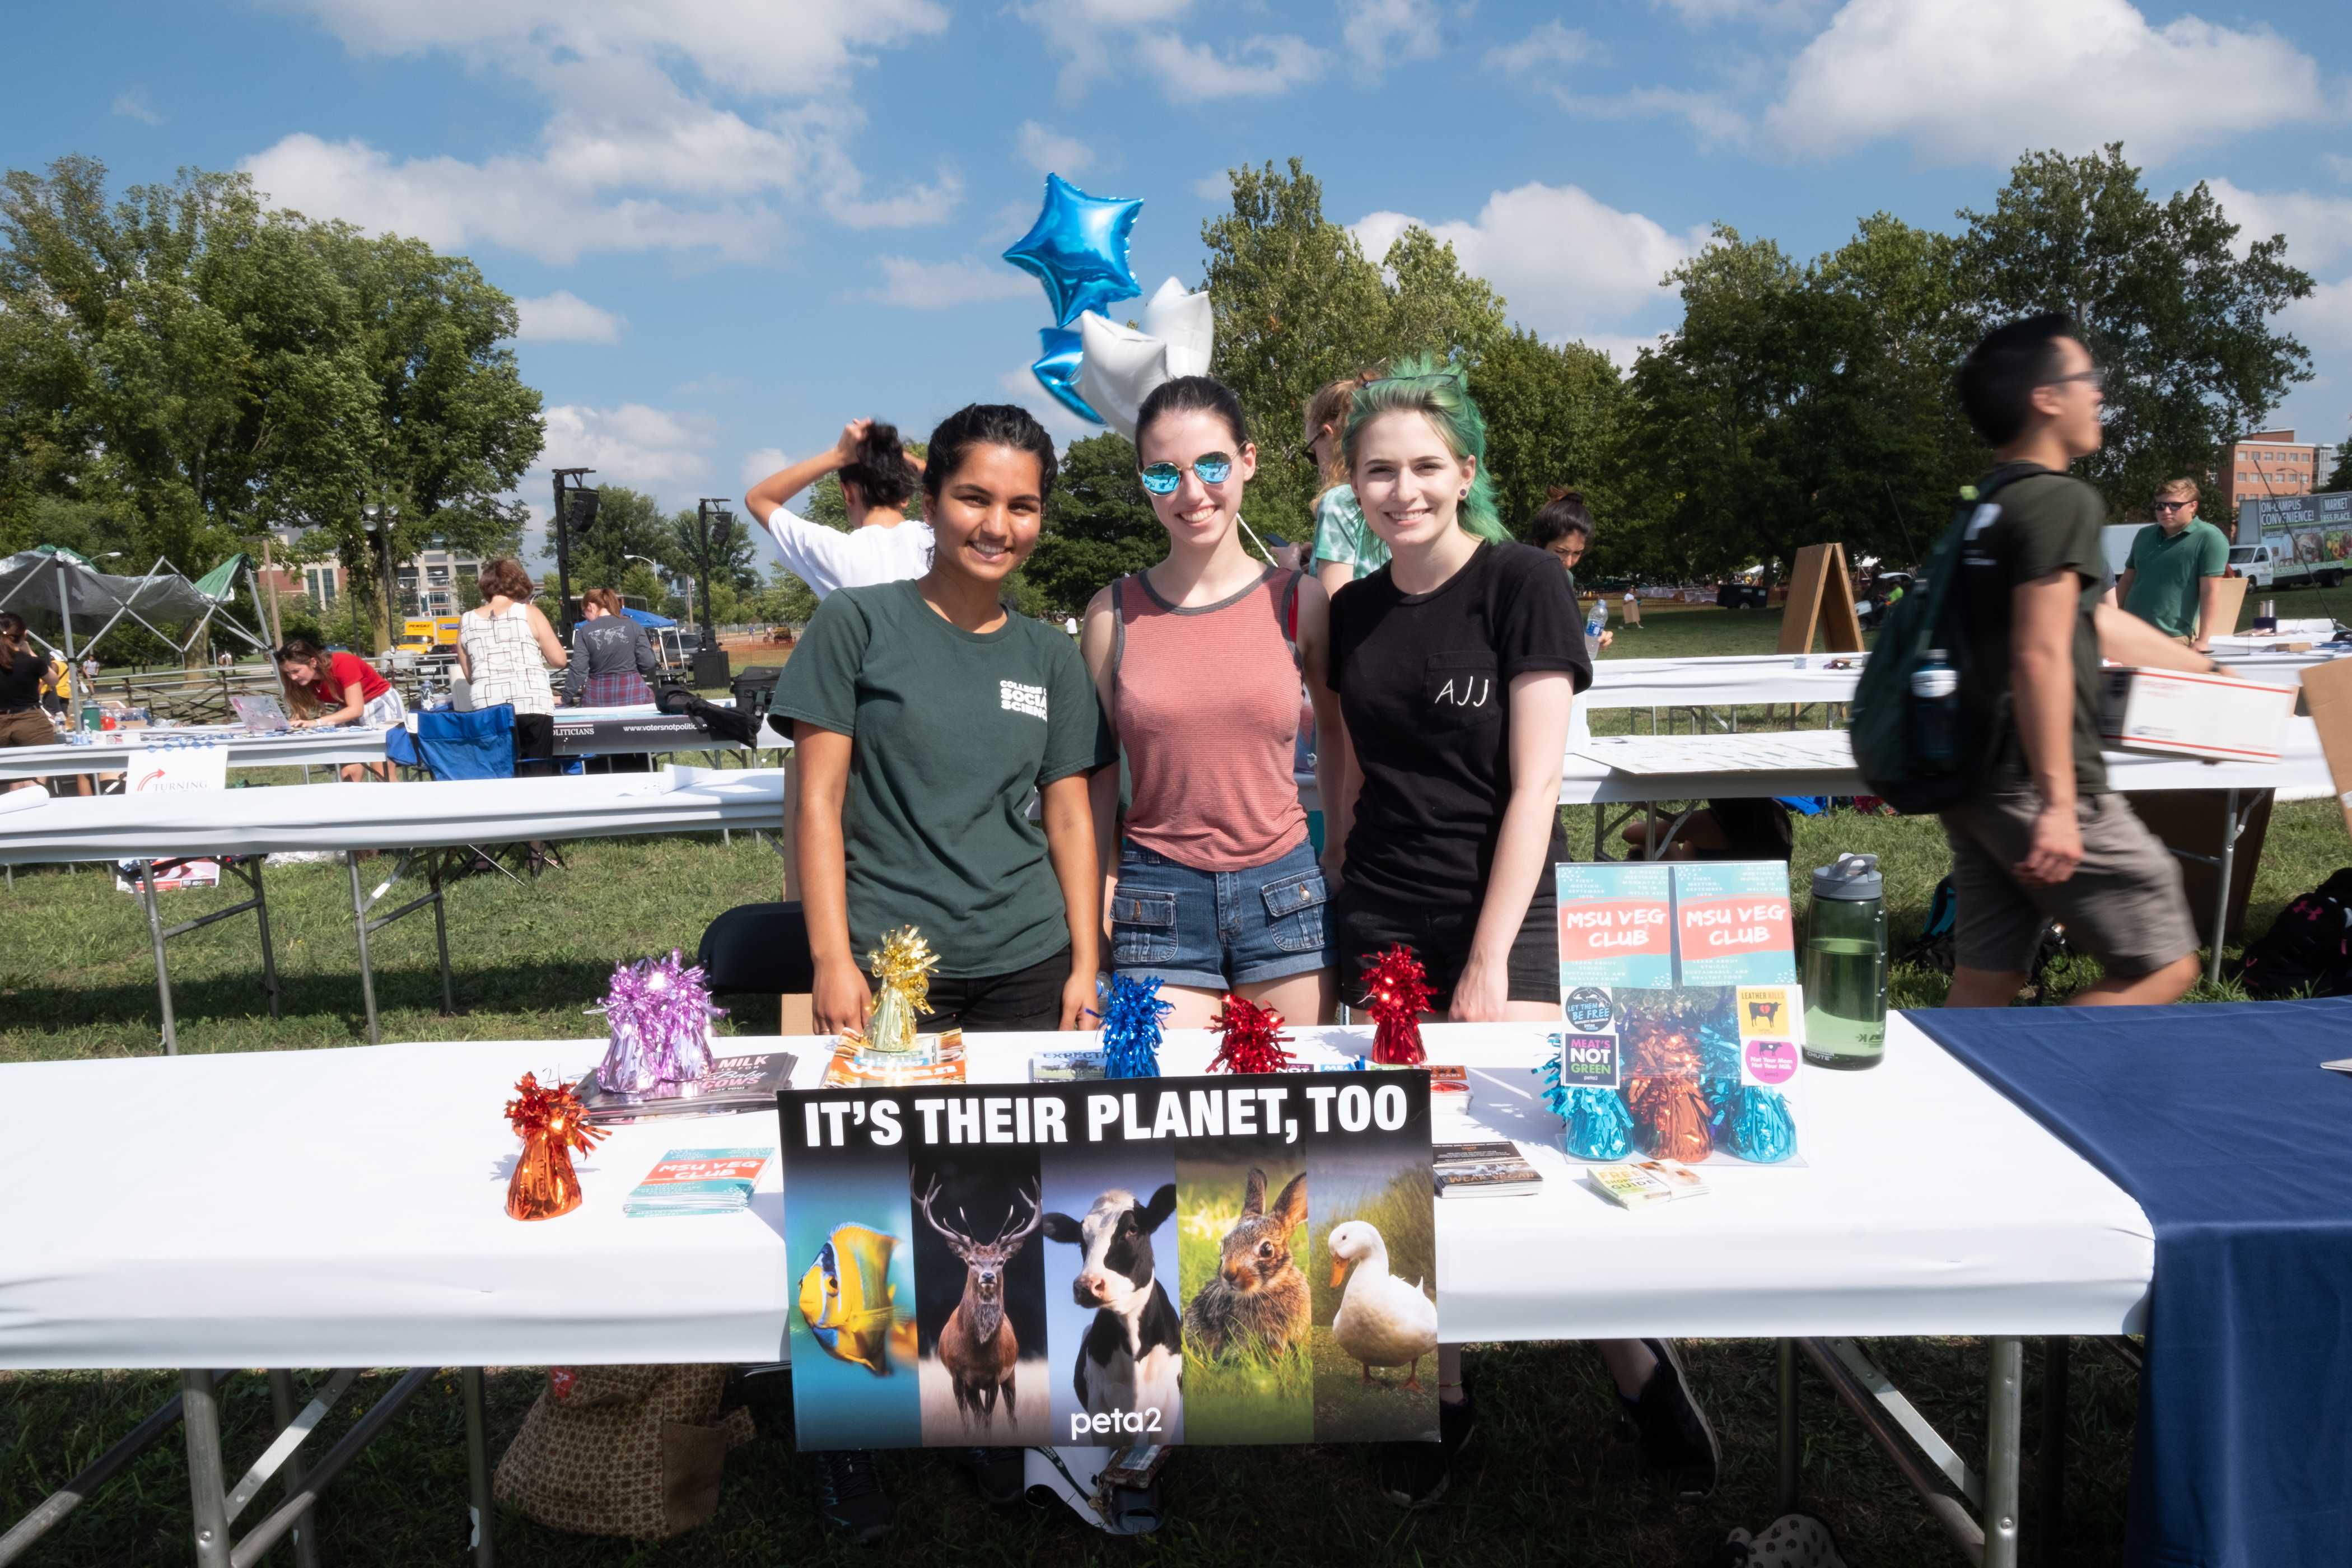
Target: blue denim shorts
[[1216, 929]]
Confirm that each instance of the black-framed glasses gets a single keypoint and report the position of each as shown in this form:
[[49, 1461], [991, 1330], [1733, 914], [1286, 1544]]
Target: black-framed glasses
[[1213, 467], [2172, 505], [2097, 375]]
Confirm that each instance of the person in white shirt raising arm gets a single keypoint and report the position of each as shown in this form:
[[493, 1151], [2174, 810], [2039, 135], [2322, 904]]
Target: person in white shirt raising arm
[[878, 477]]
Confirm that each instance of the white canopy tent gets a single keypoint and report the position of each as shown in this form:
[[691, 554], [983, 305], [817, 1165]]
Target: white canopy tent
[[50, 586]]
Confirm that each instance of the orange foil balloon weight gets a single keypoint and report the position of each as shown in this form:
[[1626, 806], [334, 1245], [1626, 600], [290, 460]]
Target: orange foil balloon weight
[[551, 1124]]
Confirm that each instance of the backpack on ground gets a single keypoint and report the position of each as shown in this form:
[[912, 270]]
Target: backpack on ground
[[732, 725], [1934, 615], [2307, 952]]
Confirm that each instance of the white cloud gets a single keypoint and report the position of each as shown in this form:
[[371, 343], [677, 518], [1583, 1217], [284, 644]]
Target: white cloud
[[1137, 40], [563, 317], [1771, 13], [1049, 151], [2318, 229], [1550, 44], [1567, 263], [938, 285], [1021, 386], [1983, 81], [1258, 66], [645, 449], [131, 104], [2324, 322], [758, 464], [1382, 33], [1215, 187], [630, 159]]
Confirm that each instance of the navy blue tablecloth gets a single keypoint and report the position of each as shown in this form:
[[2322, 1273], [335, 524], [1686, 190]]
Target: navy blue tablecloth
[[2219, 1122]]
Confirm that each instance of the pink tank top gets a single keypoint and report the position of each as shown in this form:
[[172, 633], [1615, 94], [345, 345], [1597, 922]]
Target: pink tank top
[[1206, 701]]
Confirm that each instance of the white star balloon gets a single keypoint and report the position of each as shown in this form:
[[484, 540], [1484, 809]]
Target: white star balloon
[[1122, 364]]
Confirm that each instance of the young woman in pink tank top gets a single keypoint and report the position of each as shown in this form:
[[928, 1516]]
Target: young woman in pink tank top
[[1213, 884]]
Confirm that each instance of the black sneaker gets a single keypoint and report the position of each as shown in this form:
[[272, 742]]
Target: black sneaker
[[850, 1501], [1415, 1474], [1666, 1421], [999, 1471]]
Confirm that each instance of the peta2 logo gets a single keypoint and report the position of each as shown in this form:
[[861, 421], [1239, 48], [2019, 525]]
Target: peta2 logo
[[1016, 698]]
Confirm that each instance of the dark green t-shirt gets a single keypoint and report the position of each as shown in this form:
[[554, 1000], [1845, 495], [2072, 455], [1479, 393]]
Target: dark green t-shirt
[[2037, 523], [953, 730], [2168, 571]]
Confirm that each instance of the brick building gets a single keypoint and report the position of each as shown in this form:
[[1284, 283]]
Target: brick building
[[2267, 466]]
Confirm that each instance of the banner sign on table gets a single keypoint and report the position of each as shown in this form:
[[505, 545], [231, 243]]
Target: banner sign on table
[[1091, 1265], [176, 771], [1683, 1021]]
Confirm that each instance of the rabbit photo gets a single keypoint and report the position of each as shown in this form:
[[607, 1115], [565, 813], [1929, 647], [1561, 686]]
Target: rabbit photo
[[1258, 1300]]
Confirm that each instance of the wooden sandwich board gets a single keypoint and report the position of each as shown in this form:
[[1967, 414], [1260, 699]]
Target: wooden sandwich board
[[1817, 585]]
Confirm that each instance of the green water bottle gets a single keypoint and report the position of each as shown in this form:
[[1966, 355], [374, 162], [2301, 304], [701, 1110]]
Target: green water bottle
[[1845, 965]]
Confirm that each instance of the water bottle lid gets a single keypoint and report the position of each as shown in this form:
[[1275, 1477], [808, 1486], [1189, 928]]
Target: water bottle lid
[[1854, 876]]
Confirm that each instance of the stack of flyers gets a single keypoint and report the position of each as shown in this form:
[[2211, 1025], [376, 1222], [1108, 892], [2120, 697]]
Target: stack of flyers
[[729, 1084], [935, 1059], [698, 1180], [1492, 1170], [1646, 1182]]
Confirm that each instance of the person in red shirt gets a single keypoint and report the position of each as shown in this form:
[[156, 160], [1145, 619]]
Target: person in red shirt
[[327, 689]]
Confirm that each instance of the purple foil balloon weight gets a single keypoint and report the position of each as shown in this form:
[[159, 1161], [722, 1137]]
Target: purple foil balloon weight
[[660, 1013]]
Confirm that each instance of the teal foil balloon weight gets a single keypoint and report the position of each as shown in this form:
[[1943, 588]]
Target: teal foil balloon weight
[[1077, 249], [1599, 1125], [1756, 1125], [1057, 370]]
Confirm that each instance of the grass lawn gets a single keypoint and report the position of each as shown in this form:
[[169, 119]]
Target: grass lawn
[[1543, 1483]]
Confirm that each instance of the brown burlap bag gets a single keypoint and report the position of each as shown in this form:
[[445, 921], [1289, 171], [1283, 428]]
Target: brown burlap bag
[[623, 1450]]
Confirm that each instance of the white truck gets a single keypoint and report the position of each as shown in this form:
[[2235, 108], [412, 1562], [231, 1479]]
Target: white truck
[[2299, 539]]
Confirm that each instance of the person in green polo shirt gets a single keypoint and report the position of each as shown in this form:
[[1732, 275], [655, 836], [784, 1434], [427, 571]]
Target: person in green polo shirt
[[2176, 568]]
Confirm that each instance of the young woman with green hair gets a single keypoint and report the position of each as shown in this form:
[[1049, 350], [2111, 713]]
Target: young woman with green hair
[[1456, 667]]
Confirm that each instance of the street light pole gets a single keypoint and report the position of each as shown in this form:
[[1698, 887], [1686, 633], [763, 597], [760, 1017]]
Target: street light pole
[[563, 544]]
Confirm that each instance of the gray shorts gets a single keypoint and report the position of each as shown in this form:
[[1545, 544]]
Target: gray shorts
[[2124, 904]]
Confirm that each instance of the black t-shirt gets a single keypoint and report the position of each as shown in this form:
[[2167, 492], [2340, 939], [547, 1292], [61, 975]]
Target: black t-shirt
[[2038, 522], [20, 683], [1423, 681]]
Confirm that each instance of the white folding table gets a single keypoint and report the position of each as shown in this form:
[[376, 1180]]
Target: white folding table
[[1927, 1204], [422, 818]]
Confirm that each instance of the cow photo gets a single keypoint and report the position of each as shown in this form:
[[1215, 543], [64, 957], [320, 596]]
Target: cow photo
[[1110, 1273]]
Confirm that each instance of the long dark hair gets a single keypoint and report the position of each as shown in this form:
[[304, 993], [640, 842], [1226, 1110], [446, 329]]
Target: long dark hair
[[1563, 514], [302, 650], [12, 635], [986, 424]]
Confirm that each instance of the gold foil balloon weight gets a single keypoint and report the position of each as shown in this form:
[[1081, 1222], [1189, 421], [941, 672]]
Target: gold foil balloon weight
[[902, 990]]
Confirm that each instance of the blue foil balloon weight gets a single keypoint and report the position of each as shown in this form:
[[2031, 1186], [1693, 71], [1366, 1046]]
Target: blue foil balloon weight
[[1599, 1125], [1131, 1012], [1755, 1124], [1057, 370], [1077, 249]]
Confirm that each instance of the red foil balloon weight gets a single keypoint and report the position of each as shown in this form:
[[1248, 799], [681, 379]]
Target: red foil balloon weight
[[1254, 1038], [1671, 1117], [551, 1125], [1396, 989]]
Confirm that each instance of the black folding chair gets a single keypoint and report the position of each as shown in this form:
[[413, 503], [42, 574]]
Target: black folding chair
[[762, 950]]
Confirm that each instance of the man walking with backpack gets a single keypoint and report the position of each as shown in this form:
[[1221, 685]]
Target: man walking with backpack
[[2042, 837]]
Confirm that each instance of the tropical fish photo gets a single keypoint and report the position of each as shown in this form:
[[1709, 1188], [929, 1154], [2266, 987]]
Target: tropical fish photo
[[849, 1303]]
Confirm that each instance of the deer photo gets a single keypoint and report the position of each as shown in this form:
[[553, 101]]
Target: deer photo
[[977, 1346]]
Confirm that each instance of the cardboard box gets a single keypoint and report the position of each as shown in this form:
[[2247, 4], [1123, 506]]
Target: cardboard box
[[2171, 713]]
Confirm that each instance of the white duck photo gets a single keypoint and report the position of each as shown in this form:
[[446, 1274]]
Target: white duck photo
[[1381, 1320]]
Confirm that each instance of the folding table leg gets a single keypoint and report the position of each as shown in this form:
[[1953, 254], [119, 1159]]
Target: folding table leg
[[268, 955], [2004, 1414], [1785, 1352], [281, 1411], [2231, 827], [2049, 1518], [440, 926], [162, 976], [360, 923], [208, 1486], [477, 1465]]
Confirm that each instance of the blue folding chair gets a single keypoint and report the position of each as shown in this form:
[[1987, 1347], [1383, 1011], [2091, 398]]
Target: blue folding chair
[[451, 745]]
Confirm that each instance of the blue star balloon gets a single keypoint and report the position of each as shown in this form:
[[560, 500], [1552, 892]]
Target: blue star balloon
[[1057, 368], [1078, 248]]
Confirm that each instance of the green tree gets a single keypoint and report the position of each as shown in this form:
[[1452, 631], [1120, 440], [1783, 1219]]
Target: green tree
[[2159, 294], [1098, 525], [1298, 305], [629, 523], [1555, 416]]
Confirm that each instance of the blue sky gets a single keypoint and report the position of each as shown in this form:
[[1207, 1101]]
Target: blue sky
[[734, 224]]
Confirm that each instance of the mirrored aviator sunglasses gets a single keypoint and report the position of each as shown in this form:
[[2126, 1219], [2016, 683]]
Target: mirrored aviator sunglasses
[[1162, 478]]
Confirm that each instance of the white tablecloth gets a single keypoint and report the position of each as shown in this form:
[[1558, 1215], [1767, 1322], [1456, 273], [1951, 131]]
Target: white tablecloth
[[401, 815], [344, 1207], [1720, 681], [110, 751], [2300, 773]]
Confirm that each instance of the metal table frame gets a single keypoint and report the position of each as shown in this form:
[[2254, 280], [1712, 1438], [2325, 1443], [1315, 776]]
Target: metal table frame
[[215, 1504]]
